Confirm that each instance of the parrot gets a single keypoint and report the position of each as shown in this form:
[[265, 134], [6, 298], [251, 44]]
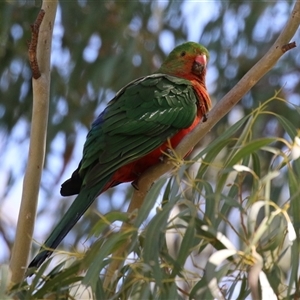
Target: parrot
[[145, 119]]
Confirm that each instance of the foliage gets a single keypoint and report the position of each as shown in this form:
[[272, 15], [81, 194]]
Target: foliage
[[216, 221]]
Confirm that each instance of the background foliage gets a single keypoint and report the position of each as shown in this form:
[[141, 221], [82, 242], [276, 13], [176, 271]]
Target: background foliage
[[99, 46]]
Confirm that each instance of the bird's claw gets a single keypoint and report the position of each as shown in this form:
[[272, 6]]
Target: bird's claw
[[168, 153], [135, 185]]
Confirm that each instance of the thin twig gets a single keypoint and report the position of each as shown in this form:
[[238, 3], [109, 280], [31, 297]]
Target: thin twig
[[288, 47]]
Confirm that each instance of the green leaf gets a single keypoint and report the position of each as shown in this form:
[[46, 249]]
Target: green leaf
[[249, 148], [242, 153], [210, 204], [288, 126], [155, 239], [60, 281], [99, 257], [105, 221], [185, 247], [294, 187], [227, 134], [149, 202], [210, 156]]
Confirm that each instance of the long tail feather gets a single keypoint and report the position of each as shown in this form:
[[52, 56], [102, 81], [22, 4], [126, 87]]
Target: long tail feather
[[81, 203]]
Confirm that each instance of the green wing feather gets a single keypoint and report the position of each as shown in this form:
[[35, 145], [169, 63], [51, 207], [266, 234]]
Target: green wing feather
[[141, 117]]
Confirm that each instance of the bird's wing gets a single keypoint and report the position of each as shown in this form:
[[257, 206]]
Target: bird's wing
[[141, 117]]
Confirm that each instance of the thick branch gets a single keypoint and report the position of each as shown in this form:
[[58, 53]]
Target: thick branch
[[39, 54], [217, 113]]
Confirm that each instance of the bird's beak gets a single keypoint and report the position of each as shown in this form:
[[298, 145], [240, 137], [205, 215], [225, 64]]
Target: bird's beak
[[201, 59], [199, 64]]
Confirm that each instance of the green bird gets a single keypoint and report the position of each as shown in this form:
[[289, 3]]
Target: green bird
[[144, 119]]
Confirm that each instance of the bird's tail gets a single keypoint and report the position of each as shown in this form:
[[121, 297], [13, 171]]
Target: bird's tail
[[81, 203]]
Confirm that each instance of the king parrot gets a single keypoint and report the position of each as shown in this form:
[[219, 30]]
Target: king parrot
[[145, 118]]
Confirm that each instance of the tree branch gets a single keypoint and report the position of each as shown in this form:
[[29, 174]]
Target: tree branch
[[39, 56], [264, 65]]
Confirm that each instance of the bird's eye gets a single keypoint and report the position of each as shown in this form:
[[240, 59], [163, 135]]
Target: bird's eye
[[182, 53]]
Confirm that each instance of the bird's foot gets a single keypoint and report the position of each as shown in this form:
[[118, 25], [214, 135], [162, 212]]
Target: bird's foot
[[135, 185], [168, 153]]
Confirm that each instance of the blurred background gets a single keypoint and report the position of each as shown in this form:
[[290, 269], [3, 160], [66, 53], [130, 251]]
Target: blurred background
[[98, 47]]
